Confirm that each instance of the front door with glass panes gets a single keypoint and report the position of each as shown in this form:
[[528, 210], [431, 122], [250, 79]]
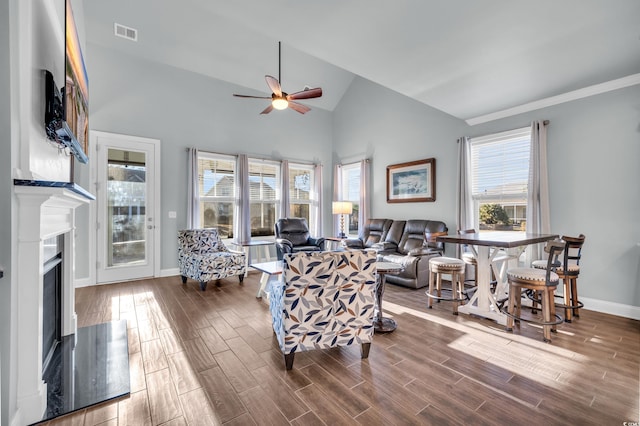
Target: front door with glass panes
[[126, 222]]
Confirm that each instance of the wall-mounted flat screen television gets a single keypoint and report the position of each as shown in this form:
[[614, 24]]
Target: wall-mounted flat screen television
[[67, 113]]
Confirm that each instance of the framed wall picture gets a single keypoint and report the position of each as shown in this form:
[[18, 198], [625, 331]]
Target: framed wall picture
[[412, 182]]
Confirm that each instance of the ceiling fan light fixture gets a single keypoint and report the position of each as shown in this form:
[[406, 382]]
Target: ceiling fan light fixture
[[280, 103]]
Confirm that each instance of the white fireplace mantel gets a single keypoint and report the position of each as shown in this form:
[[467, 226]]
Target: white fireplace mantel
[[43, 212]]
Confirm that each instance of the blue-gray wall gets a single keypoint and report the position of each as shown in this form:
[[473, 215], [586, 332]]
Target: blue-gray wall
[[388, 128], [183, 109], [593, 150], [6, 194]]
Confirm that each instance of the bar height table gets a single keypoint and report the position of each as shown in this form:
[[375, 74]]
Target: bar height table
[[483, 302]]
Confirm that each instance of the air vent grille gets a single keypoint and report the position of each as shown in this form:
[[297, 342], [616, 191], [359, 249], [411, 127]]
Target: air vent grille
[[125, 32]]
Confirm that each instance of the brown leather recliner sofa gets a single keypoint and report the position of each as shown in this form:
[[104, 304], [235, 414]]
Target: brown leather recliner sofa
[[402, 242]]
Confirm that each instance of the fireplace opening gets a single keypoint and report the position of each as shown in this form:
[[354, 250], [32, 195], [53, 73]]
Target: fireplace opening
[[51, 298]]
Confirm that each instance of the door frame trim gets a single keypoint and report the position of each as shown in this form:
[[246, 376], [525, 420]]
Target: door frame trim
[[94, 135]]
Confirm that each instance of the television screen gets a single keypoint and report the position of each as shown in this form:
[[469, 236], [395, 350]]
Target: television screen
[[76, 94]]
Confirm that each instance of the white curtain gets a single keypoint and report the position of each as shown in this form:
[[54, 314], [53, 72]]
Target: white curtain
[[337, 189], [465, 212], [365, 201], [285, 205], [193, 196], [538, 215], [242, 225], [317, 179]]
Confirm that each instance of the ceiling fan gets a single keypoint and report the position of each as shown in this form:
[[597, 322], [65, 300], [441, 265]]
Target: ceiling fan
[[281, 100]]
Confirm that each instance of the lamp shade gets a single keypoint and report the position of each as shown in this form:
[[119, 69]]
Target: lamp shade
[[342, 207]]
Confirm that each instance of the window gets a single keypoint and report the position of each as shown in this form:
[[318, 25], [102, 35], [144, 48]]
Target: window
[[264, 177], [301, 200], [216, 186], [500, 171], [350, 191]]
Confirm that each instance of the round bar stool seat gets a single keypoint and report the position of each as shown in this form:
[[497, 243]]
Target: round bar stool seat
[[535, 280], [446, 265]]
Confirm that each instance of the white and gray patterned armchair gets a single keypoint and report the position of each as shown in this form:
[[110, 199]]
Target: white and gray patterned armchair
[[327, 299], [202, 256]]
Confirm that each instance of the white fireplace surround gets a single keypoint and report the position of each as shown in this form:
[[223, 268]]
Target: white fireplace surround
[[43, 212]]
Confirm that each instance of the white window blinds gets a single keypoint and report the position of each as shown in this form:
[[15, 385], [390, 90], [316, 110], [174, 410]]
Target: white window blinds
[[500, 166]]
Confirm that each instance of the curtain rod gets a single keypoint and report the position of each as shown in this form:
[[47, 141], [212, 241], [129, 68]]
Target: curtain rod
[[545, 122]]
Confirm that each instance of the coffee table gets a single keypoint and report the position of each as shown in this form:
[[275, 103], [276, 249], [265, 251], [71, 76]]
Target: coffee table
[[270, 271], [246, 248], [382, 324]]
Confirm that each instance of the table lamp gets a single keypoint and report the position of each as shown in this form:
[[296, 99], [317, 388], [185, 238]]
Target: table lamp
[[342, 208]]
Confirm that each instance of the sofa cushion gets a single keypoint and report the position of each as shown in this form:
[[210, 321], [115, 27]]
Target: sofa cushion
[[413, 236]]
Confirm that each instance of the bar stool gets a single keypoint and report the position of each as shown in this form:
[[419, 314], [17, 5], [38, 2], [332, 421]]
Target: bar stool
[[542, 281], [569, 275], [446, 265]]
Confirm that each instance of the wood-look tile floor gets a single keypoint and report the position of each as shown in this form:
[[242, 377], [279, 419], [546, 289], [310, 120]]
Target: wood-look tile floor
[[208, 358]]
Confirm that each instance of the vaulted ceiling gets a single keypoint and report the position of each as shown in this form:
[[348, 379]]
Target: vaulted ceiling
[[468, 58]]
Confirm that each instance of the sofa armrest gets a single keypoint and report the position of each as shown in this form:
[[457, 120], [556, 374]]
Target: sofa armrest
[[354, 243], [424, 251], [385, 246], [317, 242]]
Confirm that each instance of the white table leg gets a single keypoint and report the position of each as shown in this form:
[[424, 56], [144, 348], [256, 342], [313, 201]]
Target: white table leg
[[483, 302], [264, 279]]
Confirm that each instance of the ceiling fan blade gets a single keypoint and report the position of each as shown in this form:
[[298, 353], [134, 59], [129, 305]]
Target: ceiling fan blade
[[299, 107], [274, 85], [267, 110], [252, 97], [306, 94]]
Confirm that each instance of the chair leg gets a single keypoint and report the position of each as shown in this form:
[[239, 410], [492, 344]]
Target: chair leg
[[288, 360], [364, 350], [430, 291], [510, 308], [566, 283], [184, 279], [439, 286], [203, 285], [574, 296], [552, 308], [241, 277], [546, 315]]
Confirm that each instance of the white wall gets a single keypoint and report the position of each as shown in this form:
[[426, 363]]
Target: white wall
[[594, 148]]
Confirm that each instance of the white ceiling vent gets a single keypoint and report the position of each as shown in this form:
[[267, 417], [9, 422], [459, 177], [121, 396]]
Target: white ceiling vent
[[125, 32]]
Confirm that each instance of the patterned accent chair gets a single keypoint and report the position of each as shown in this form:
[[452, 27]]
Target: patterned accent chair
[[202, 256], [327, 299]]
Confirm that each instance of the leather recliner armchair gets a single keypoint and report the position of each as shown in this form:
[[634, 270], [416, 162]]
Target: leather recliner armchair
[[292, 236]]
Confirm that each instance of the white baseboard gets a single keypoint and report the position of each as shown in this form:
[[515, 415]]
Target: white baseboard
[[169, 272], [627, 311]]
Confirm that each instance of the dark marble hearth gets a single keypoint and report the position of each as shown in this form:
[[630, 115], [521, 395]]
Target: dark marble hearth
[[94, 371]]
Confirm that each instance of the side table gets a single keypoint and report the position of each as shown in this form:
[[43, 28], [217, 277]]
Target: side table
[[380, 323], [335, 242]]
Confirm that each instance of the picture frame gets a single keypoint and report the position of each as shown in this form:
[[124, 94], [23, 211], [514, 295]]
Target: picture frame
[[412, 182]]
